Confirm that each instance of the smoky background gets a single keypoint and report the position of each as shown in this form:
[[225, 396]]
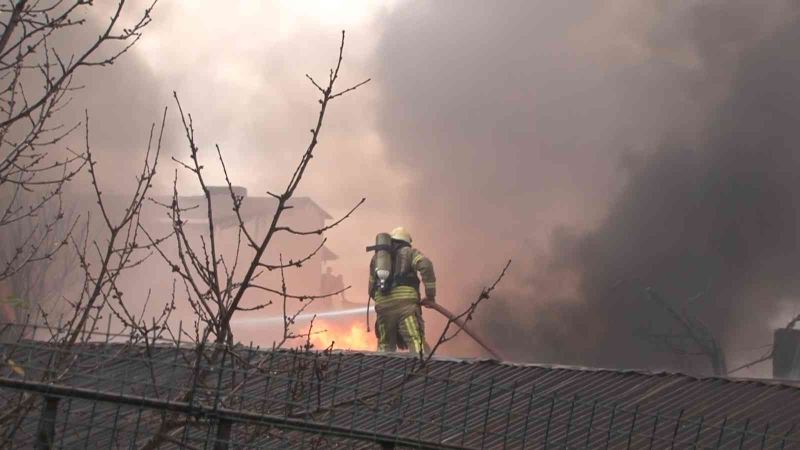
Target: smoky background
[[606, 148], [603, 148]]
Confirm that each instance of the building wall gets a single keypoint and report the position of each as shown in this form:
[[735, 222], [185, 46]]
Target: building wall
[[154, 278]]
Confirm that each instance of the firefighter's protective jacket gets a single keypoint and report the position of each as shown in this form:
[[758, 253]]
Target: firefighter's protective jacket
[[399, 322], [404, 283]]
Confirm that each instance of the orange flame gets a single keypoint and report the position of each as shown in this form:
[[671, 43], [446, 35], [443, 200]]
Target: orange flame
[[349, 336]]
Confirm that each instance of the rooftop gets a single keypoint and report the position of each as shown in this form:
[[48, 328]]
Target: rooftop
[[116, 393]]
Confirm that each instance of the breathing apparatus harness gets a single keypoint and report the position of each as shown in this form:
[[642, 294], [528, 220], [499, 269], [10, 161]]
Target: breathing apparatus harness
[[390, 270]]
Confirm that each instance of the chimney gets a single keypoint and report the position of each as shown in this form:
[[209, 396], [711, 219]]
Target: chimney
[[786, 354]]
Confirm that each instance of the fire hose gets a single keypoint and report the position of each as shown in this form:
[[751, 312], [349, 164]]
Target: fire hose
[[259, 321], [453, 319], [461, 324]]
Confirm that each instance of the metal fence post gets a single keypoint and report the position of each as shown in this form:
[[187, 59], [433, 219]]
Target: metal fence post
[[786, 436], [508, 414], [485, 416], [611, 425], [633, 426], [549, 421], [46, 431], [675, 431], [569, 420], [744, 433], [223, 437], [223, 434], [764, 436], [591, 421], [655, 428], [699, 431], [531, 394], [721, 432]]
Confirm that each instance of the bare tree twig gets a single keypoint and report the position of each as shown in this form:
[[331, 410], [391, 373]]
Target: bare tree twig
[[215, 288], [326, 228], [696, 331], [766, 357], [467, 314]]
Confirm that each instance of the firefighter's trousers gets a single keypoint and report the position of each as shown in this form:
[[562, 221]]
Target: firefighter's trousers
[[399, 325]]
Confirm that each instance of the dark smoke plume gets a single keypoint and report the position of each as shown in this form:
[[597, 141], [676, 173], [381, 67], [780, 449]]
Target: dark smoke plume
[[725, 213], [674, 164]]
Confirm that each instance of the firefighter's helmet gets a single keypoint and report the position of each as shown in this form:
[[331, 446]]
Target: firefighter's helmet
[[401, 234]]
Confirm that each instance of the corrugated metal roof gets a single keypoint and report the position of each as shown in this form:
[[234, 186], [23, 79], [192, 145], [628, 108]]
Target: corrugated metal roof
[[463, 403]]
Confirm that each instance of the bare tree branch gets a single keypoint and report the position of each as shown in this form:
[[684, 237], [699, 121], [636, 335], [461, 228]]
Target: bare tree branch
[[696, 331], [36, 84], [467, 314], [215, 287], [325, 228]]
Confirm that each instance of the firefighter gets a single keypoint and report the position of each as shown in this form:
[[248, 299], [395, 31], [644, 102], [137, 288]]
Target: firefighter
[[397, 306]]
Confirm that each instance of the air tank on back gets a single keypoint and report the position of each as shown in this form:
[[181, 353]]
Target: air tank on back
[[383, 259]]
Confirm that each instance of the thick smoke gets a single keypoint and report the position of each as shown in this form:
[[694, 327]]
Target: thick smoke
[[236, 90], [604, 146], [663, 134], [239, 71]]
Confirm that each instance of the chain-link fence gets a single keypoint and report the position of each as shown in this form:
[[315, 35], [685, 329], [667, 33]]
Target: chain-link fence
[[114, 392]]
